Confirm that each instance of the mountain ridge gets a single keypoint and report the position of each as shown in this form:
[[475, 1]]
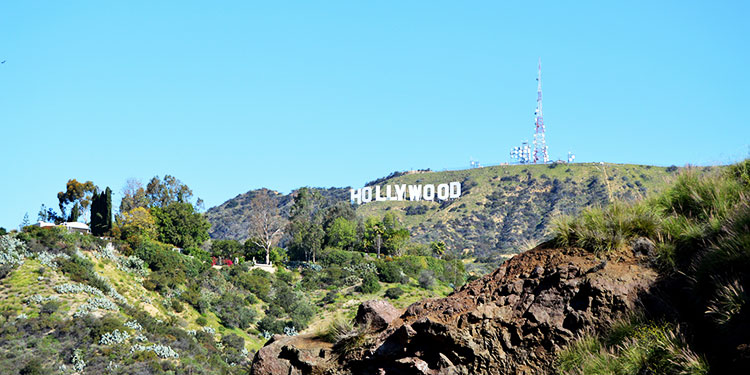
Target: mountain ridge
[[501, 209]]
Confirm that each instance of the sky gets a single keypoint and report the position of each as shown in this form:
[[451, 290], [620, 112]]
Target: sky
[[232, 96]]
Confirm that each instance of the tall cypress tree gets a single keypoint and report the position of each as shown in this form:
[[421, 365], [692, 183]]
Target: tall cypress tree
[[101, 212], [107, 210], [96, 217], [74, 213]]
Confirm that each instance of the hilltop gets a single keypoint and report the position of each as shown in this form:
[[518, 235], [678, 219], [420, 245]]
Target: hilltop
[[502, 208]]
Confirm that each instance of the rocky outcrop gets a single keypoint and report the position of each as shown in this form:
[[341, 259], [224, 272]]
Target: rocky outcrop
[[293, 355], [377, 314], [512, 321]]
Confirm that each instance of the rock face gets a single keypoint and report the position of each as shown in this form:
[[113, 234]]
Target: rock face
[[292, 355], [378, 314], [512, 321]]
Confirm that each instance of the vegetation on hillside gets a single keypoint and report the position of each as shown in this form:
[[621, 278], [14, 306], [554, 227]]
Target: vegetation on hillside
[[698, 235], [146, 299]]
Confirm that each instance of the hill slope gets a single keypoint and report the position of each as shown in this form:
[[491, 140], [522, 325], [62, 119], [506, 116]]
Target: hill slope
[[502, 208]]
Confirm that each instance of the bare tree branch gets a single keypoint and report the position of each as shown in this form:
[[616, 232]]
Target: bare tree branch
[[266, 224]]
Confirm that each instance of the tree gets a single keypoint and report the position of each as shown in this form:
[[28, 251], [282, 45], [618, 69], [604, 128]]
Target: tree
[[342, 233], [227, 249], [133, 196], [266, 224], [76, 192], [74, 213], [136, 223], [101, 213], [305, 225], [158, 193], [438, 248], [178, 224], [338, 210], [161, 193], [25, 222], [373, 236], [388, 233]]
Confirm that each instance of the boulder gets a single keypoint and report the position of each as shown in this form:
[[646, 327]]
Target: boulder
[[377, 313]]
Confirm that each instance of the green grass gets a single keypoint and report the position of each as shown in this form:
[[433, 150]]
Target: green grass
[[607, 229], [631, 347]]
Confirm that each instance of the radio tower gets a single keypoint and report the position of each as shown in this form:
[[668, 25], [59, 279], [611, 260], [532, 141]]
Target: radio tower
[[540, 146]]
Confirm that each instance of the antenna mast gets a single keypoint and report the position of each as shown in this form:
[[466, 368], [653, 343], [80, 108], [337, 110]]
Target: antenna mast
[[540, 145]]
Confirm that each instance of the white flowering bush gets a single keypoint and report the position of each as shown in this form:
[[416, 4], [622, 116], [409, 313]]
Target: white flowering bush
[[209, 330], [108, 252], [134, 325], [131, 264], [38, 298], [12, 250], [22, 316], [141, 338], [48, 259], [78, 363], [162, 351], [358, 271], [290, 331], [78, 288], [93, 304], [114, 337]]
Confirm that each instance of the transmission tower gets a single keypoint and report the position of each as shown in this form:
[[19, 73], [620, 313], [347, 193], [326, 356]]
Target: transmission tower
[[540, 145]]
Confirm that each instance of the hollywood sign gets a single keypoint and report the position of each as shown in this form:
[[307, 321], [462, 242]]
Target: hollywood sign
[[404, 192]]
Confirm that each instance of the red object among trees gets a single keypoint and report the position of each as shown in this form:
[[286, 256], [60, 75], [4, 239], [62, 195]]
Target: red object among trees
[[219, 261]]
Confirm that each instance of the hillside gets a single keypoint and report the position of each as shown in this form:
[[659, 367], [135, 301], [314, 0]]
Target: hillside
[[78, 304], [655, 286], [501, 210]]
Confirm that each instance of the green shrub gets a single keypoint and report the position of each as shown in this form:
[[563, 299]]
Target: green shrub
[[231, 309], [635, 348], [394, 293], [426, 279], [201, 321], [177, 306], [270, 324], [701, 197], [389, 272], [607, 229], [369, 284]]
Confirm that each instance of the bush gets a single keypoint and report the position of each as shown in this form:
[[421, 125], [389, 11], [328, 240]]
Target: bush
[[369, 284], [272, 325], [231, 309], [337, 257], [607, 229], [426, 279], [389, 272], [394, 293], [633, 349]]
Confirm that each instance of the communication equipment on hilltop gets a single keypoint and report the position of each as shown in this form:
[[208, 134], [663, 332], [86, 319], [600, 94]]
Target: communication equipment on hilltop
[[540, 145], [521, 154], [536, 153], [474, 163], [571, 157]]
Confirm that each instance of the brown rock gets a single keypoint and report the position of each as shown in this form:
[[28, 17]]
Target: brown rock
[[512, 321], [379, 314]]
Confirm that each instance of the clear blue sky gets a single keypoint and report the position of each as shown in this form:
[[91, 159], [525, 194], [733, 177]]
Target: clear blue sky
[[232, 96]]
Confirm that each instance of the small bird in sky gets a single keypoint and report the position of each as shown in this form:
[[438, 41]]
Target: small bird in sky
[[2, 62]]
